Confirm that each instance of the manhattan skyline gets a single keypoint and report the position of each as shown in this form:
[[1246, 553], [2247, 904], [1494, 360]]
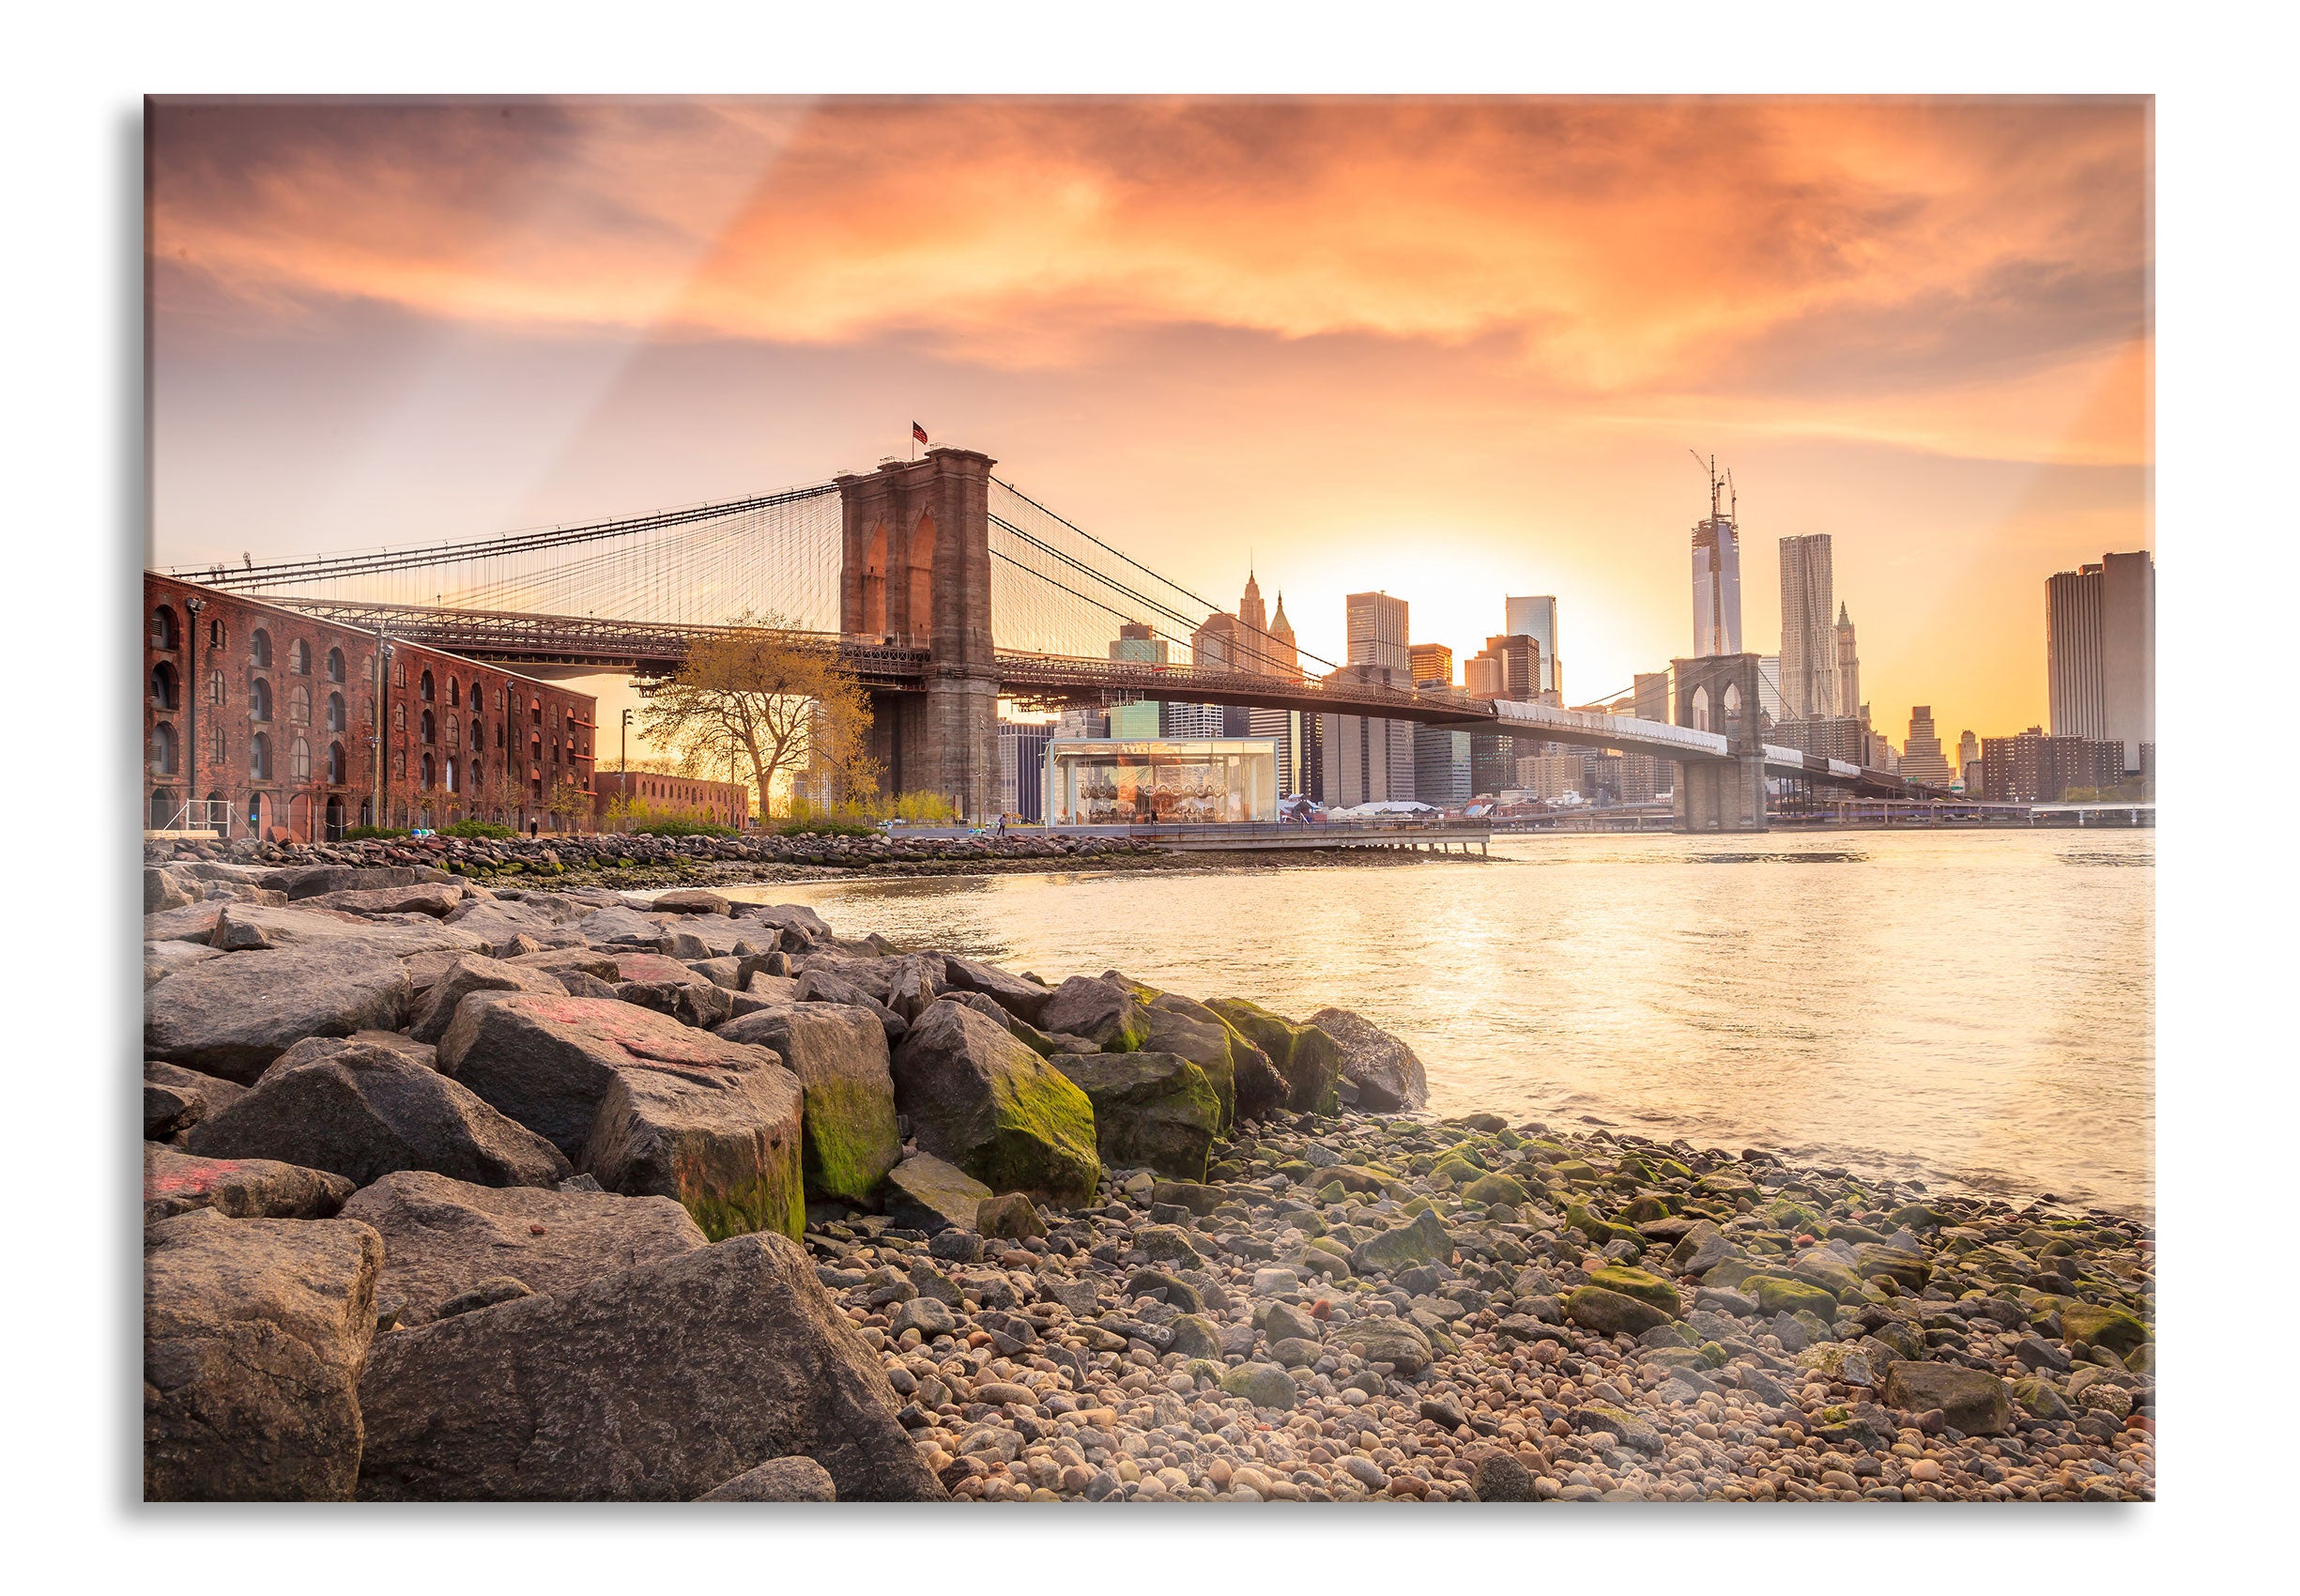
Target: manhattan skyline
[[1450, 349]]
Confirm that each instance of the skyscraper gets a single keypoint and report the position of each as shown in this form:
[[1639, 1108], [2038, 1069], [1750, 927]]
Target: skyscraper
[[1537, 618], [1716, 577], [1431, 662], [1968, 760], [1378, 633], [1849, 667], [1649, 692], [2100, 651], [1808, 640], [1920, 756], [1769, 688], [1284, 658], [1139, 717]]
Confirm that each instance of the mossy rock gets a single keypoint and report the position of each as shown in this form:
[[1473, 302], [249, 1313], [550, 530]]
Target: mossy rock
[[1264, 1385], [1795, 1218], [1333, 1191], [1646, 1288], [1196, 1338], [1916, 1216], [2038, 1400], [2086, 1323], [1612, 1312], [1492, 1189], [1873, 1260], [1600, 1230], [1414, 1204], [1573, 1171], [1459, 1170], [1831, 1276], [1778, 1294], [1644, 1209], [1297, 1169]]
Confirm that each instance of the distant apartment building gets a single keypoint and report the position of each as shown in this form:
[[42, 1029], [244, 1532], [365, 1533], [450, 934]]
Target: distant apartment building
[[1968, 761], [1550, 777], [1649, 696], [1808, 637], [1537, 618], [2100, 651], [1513, 666], [1430, 663], [2033, 768], [1135, 642], [1366, 759], [1645, 777], [1081, 722], [1828, 737], [622, 797], [1021, 766], [1493, 763], [1920, 755]]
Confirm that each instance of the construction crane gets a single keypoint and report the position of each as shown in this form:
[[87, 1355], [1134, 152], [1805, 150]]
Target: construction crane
[[1715, 482]]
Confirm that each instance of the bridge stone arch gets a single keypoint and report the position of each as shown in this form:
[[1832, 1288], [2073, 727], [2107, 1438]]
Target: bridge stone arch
[[1719, 693], [916, 563]]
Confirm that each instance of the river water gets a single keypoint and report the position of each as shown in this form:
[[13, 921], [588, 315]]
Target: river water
[[1974, 1009]]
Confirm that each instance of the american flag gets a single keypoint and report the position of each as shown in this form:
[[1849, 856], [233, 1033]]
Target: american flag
[[918, 432]]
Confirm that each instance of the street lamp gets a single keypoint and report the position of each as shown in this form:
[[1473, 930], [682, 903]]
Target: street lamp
[[623, 765]]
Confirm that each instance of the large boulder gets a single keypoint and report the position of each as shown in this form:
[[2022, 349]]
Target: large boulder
[[1383, 1068], [547, 1061], [690, 900], [830, 986], [500, 926], [441, 1237], [655, 1384], [984, 1101], [1104, 1012], [1149, 1109], [1612, 1312], [850, 1136], [722, 1141], [778, 1480], [163, 959], [177, 1098], [797, 928], [232, 1016], [241, 1188], [1970, 1400], [363, 1109], [1024, 1000], [437, 899], [313, 881], [246, 928], [255, 1334], [1423, 1239], [469, 972], [1304, 1060], [1187, 1028], [926, 1193], [615, 925]]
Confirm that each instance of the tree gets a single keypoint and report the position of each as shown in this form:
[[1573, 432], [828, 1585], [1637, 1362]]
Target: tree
[[763, 697]]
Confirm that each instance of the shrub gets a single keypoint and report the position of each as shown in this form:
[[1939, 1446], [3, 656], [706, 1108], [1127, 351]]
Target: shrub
[[365, 834], [477, 829], [682, 825], [822, 825]]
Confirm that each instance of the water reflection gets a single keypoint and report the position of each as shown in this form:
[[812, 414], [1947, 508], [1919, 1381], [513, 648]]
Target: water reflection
[[1967, 1007]]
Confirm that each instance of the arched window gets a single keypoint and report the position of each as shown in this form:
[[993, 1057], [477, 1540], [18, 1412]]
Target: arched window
[[259, 649], [259, 757], [399, 717], [534, 749], [423, 688], [431, 771], [300, 658], [163, 686], [426, 728], [454, 691], [215, 741], [498, 734], [478, 698], [479, 774], [259, 699], [299, 760], [454, 731], [164, 629], [534, 710], [451, 785], [215, 634], [335, 764], [256, 814], [215, 686], [399, 764], [1700, 709], [479, 735], [163, 749], [337, 719], [335, 664], [300, 705]]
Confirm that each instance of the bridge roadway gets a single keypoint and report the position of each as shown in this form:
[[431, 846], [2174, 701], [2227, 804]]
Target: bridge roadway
[[517, 638]]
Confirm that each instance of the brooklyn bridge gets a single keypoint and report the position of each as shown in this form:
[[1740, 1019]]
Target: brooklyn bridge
[[945, 589]]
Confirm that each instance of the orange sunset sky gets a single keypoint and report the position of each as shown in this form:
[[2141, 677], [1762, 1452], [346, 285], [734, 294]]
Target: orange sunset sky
[[1451, 349]]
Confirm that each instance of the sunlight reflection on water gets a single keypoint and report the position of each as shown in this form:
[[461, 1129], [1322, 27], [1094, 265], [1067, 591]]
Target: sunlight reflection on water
[[1974, 1008]]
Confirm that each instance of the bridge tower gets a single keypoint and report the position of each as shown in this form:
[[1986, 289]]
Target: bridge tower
[[1719, 693], [915, 567]]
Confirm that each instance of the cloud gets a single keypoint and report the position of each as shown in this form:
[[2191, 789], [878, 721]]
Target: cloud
[[1606, 248]]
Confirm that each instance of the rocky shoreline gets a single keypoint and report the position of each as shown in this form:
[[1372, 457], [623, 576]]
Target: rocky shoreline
[[459, 1192], [625, 863]]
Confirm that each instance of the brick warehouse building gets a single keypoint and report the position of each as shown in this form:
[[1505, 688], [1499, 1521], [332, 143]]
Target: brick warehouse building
[[273, 713], [727, 803]]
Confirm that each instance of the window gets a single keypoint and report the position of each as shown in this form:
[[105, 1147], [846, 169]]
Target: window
[[426, 728], [498, 734], [477, 702], [300, 658], [454, 691], [215, 743], [399, 764], [423, 688], [454, 731], [259, 649], [399, 717], [300, 705], [163, 749], [479, 735], [335, 664], [337, 719], [215, 634], [259, 757], [479, 774], [534, 751], [164, 629], [431, 771], [163, 686], [299, 760], [451, 785], [259, 699], [335, 764], [534, 710]]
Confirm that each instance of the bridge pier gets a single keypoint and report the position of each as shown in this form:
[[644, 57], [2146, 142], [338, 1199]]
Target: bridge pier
[[915, 567], [1719, 693]]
